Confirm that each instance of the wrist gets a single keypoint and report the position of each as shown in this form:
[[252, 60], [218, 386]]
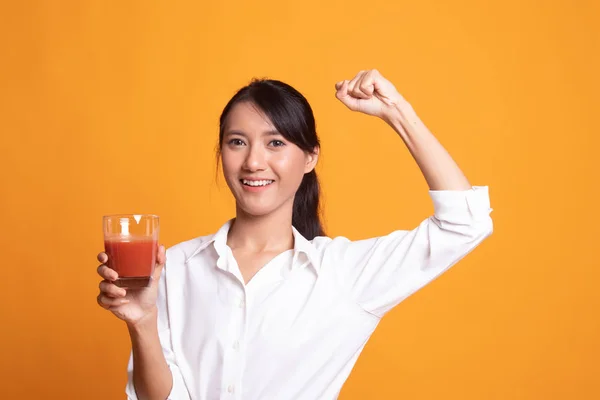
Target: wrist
[[147, 323], [403, 119]]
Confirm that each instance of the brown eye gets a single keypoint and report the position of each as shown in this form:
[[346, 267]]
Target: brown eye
[[236, 142], [277, 143]]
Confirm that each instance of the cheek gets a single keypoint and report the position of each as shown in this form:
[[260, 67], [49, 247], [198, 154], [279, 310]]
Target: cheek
[[290, 168], [229, 164], [229, 159]]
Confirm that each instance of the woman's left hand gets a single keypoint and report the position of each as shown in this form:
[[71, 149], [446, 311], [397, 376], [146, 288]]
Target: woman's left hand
[[370, 93]]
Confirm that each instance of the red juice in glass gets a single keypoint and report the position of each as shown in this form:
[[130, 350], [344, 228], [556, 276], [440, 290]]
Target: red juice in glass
[[131, 243]]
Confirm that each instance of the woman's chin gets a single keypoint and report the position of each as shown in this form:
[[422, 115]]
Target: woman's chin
[[254, 212], [255, 208]]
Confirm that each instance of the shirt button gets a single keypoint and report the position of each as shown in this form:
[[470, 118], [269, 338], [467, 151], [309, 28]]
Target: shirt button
[[242, 303], [230, 388], [236, 345]]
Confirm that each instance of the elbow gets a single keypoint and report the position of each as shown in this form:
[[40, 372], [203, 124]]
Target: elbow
[[482, 229], [469, 230], [489, 226]]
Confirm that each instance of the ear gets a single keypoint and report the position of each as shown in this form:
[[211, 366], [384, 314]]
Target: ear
[[311, 160]]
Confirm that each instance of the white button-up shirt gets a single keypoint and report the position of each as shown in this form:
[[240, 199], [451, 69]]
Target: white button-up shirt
[[297, 328]]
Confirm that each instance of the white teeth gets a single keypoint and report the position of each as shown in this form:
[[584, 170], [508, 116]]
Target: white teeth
[[257, 183]]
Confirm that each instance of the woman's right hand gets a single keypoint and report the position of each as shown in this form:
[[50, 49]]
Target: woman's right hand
[[134, 305]]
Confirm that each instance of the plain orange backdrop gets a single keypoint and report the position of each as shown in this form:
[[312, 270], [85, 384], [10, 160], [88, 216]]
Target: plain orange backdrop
[[112, 106]]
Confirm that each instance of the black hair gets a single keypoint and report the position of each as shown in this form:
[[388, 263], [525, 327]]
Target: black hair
[[289, 111]]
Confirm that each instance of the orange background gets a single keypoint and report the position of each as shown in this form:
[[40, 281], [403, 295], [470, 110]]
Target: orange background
[[112, 106]]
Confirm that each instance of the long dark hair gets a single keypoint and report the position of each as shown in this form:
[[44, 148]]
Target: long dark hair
[[289, 111]]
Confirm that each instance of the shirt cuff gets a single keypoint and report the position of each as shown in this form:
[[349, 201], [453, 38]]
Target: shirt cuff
[[179, 390], [461, 206]]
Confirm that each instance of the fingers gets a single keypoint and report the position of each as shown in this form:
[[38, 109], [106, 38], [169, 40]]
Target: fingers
[[161, 256], [366, 84], [354, 86], [161, 259], [111, 295], [342, 89], [362, 86], [102, 257], [107, 273], [103, 270], [106, 302], [111, 290]]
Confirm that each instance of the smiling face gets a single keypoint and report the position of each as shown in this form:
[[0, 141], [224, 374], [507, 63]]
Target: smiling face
[[262, 168]]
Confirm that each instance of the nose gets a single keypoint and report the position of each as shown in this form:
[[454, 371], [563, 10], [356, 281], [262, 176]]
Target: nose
[[255, 159]]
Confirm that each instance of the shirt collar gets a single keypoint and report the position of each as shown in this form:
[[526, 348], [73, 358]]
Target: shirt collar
[[304, 246], [219, 241]]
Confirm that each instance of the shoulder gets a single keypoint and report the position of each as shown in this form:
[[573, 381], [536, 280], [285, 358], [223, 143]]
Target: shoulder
[[323, 242], [344, 246], [326, 245], [183, 251]]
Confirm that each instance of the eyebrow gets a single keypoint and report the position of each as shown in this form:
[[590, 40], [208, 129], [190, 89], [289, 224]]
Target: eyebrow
[[241, 133]]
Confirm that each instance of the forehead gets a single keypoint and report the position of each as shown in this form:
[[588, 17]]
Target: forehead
[[247, 117]]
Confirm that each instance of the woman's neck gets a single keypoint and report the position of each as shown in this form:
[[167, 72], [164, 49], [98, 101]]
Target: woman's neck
[[268, 233]]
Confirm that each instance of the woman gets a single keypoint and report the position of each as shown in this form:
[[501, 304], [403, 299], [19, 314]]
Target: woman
[[269, 307]]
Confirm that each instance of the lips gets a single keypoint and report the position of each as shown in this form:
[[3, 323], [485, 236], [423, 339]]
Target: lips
[[256, 182]]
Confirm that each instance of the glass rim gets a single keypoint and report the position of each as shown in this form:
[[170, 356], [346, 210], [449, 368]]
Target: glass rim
[[130, 216]]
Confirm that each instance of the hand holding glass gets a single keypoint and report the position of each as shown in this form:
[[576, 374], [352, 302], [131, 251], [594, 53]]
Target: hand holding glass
[[131, 244]]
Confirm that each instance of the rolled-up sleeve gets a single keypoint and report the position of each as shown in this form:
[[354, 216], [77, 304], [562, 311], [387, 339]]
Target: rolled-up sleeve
[[381, 272], [179, 390]]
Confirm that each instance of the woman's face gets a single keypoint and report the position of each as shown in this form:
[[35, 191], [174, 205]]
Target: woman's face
[[262, 168]]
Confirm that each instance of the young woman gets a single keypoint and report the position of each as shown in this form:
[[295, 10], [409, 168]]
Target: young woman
[[269, 308]]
